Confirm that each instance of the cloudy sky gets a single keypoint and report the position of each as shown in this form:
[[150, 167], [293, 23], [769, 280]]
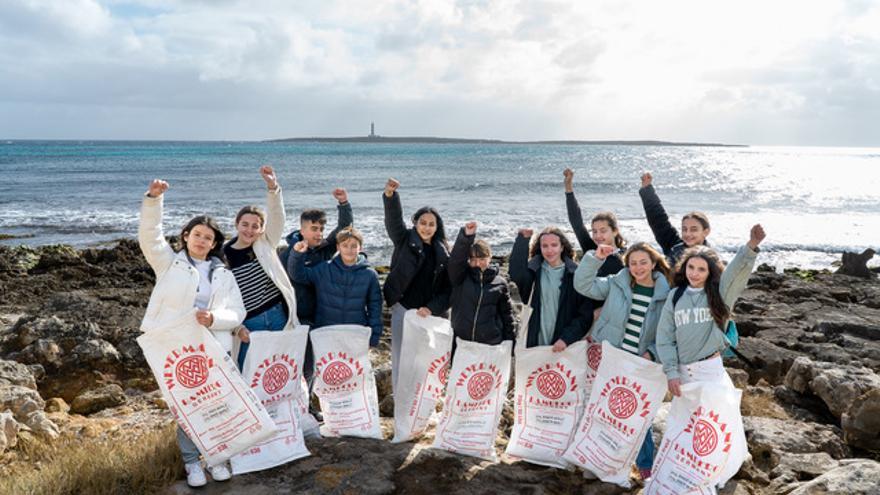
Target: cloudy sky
[[756, 72]]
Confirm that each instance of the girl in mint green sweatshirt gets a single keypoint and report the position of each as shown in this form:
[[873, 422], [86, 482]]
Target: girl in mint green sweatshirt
[[689, 335]]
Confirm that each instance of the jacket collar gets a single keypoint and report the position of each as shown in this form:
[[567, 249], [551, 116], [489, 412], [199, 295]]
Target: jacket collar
[[537, 260], [661, 285]]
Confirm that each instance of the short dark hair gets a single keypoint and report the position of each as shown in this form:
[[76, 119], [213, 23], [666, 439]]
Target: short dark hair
[[317, 216], [251, 210]]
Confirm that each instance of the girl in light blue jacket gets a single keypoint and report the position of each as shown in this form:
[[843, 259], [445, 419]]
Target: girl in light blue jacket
[[634, 298]]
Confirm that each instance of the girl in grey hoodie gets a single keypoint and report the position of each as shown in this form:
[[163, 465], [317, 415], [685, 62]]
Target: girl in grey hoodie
[[690, 336]]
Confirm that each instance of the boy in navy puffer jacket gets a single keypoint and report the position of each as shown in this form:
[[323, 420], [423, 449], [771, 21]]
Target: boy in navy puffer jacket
[[346, 287]]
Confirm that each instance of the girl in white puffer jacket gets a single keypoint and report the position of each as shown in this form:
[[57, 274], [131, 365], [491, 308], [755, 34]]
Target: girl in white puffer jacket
[[193, 276]]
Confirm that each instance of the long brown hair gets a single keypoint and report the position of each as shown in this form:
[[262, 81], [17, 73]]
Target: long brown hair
[[219, 238], [567, 248], [720, 311], [660, 263], [611, 220]]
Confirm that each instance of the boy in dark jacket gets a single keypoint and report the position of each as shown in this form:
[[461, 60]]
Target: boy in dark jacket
[[320, 249], [346, 287], [481, 307]]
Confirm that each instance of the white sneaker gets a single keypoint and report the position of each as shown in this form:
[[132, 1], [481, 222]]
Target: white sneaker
[[195, 475], [220, 472]]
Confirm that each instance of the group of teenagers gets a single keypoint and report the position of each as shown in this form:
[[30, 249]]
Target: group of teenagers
[[672, 307]]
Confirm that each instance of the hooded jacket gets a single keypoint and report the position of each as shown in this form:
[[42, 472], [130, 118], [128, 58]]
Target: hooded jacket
[[617, 293], [305, 294], [408, 257], [575, 313], [177, 281], [345, 294], [481, 307], [687, 332]]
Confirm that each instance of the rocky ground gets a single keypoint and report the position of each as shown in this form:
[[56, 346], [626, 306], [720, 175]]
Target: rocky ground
[[70, 369]]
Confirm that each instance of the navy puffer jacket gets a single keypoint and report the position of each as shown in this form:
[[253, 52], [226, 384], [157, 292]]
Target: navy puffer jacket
[[345, 294]]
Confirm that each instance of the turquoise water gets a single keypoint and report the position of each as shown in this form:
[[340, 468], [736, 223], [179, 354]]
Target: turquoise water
[[814, 202]]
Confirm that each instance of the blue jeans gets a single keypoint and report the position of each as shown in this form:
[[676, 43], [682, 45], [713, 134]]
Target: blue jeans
[[188, 449], [273, 319], [645, 459]]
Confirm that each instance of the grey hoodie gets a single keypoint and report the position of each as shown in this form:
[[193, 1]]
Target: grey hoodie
[[617, 293], [687, 332]]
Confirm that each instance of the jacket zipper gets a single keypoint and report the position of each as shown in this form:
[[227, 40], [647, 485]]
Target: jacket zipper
[[477, 312]]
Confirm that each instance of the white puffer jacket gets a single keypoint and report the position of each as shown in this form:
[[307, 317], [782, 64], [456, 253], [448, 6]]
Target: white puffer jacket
[[177, 281]]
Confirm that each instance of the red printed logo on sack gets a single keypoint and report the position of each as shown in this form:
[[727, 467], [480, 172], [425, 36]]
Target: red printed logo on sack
[[337, 374], [192, 371], [275, 378], [443, 375], [594, 356], [551, 385], [622, 402], [705, 438], [480, 385]]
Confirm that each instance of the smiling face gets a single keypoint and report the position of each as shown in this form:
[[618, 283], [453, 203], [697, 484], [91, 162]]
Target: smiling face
[[692, 232], [551, 249], [641, 268], [312, 232], [602, 233], [697, 272], [200, 240], [249, 228], [426, 226], [349, 250]]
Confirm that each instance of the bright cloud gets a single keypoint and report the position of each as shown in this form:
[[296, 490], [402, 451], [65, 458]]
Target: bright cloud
[[782, 72]]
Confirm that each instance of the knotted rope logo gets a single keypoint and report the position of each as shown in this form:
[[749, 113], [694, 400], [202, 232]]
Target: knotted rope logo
[[480, 385], [622, 402], [705, 438], [337, 373], [551, 385], [275, 378], [443, 375], [192, 371], [594, 356]]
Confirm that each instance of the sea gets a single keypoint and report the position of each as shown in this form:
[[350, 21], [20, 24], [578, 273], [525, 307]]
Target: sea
[[814, 203]]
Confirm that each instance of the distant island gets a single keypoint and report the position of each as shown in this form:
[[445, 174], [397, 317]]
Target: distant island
[[440, 140]]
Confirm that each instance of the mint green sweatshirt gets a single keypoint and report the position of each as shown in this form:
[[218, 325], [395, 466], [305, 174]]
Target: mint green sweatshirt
[[687, 332]]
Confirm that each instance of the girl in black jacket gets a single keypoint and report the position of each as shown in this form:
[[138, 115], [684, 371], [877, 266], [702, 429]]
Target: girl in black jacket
[[418, 278], [481, 307], [560, 315]]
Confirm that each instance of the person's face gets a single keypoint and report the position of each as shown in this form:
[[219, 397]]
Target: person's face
[[641, 267], [692, 232], [697, 272], [349, 250], [426, 226], [551, 248], [481, 263], [199, 241], [603, 233], [249, 228], [312, 232]]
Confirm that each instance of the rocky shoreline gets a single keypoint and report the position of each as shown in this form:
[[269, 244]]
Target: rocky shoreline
[[70, 368]]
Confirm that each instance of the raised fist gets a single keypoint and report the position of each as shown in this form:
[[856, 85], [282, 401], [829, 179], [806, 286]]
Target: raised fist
[[470, 228], [340, 194], [301, 246], [569, 179], [268, 174], [157, 188], [647, 179], [527, 233], [603, 251], [391, 186], [756, 236]]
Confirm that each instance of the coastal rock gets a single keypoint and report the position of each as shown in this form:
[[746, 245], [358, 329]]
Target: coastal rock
[[852, 477], [771, 439], [771, 361], [861, 422], [93, 401], [27, 406], [804, 466], [13, 373], [856, 265], [57, 405], [9, 428]]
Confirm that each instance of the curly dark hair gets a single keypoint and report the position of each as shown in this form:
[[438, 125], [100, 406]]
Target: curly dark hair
[[567, 248]]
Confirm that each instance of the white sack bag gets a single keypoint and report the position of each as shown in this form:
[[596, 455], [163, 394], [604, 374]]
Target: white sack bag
[[549, 401], [273, 370], [626, 395], [344, 381], [204, 390], [594, 359], [424, 371], [475, 396], [704, 444]]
